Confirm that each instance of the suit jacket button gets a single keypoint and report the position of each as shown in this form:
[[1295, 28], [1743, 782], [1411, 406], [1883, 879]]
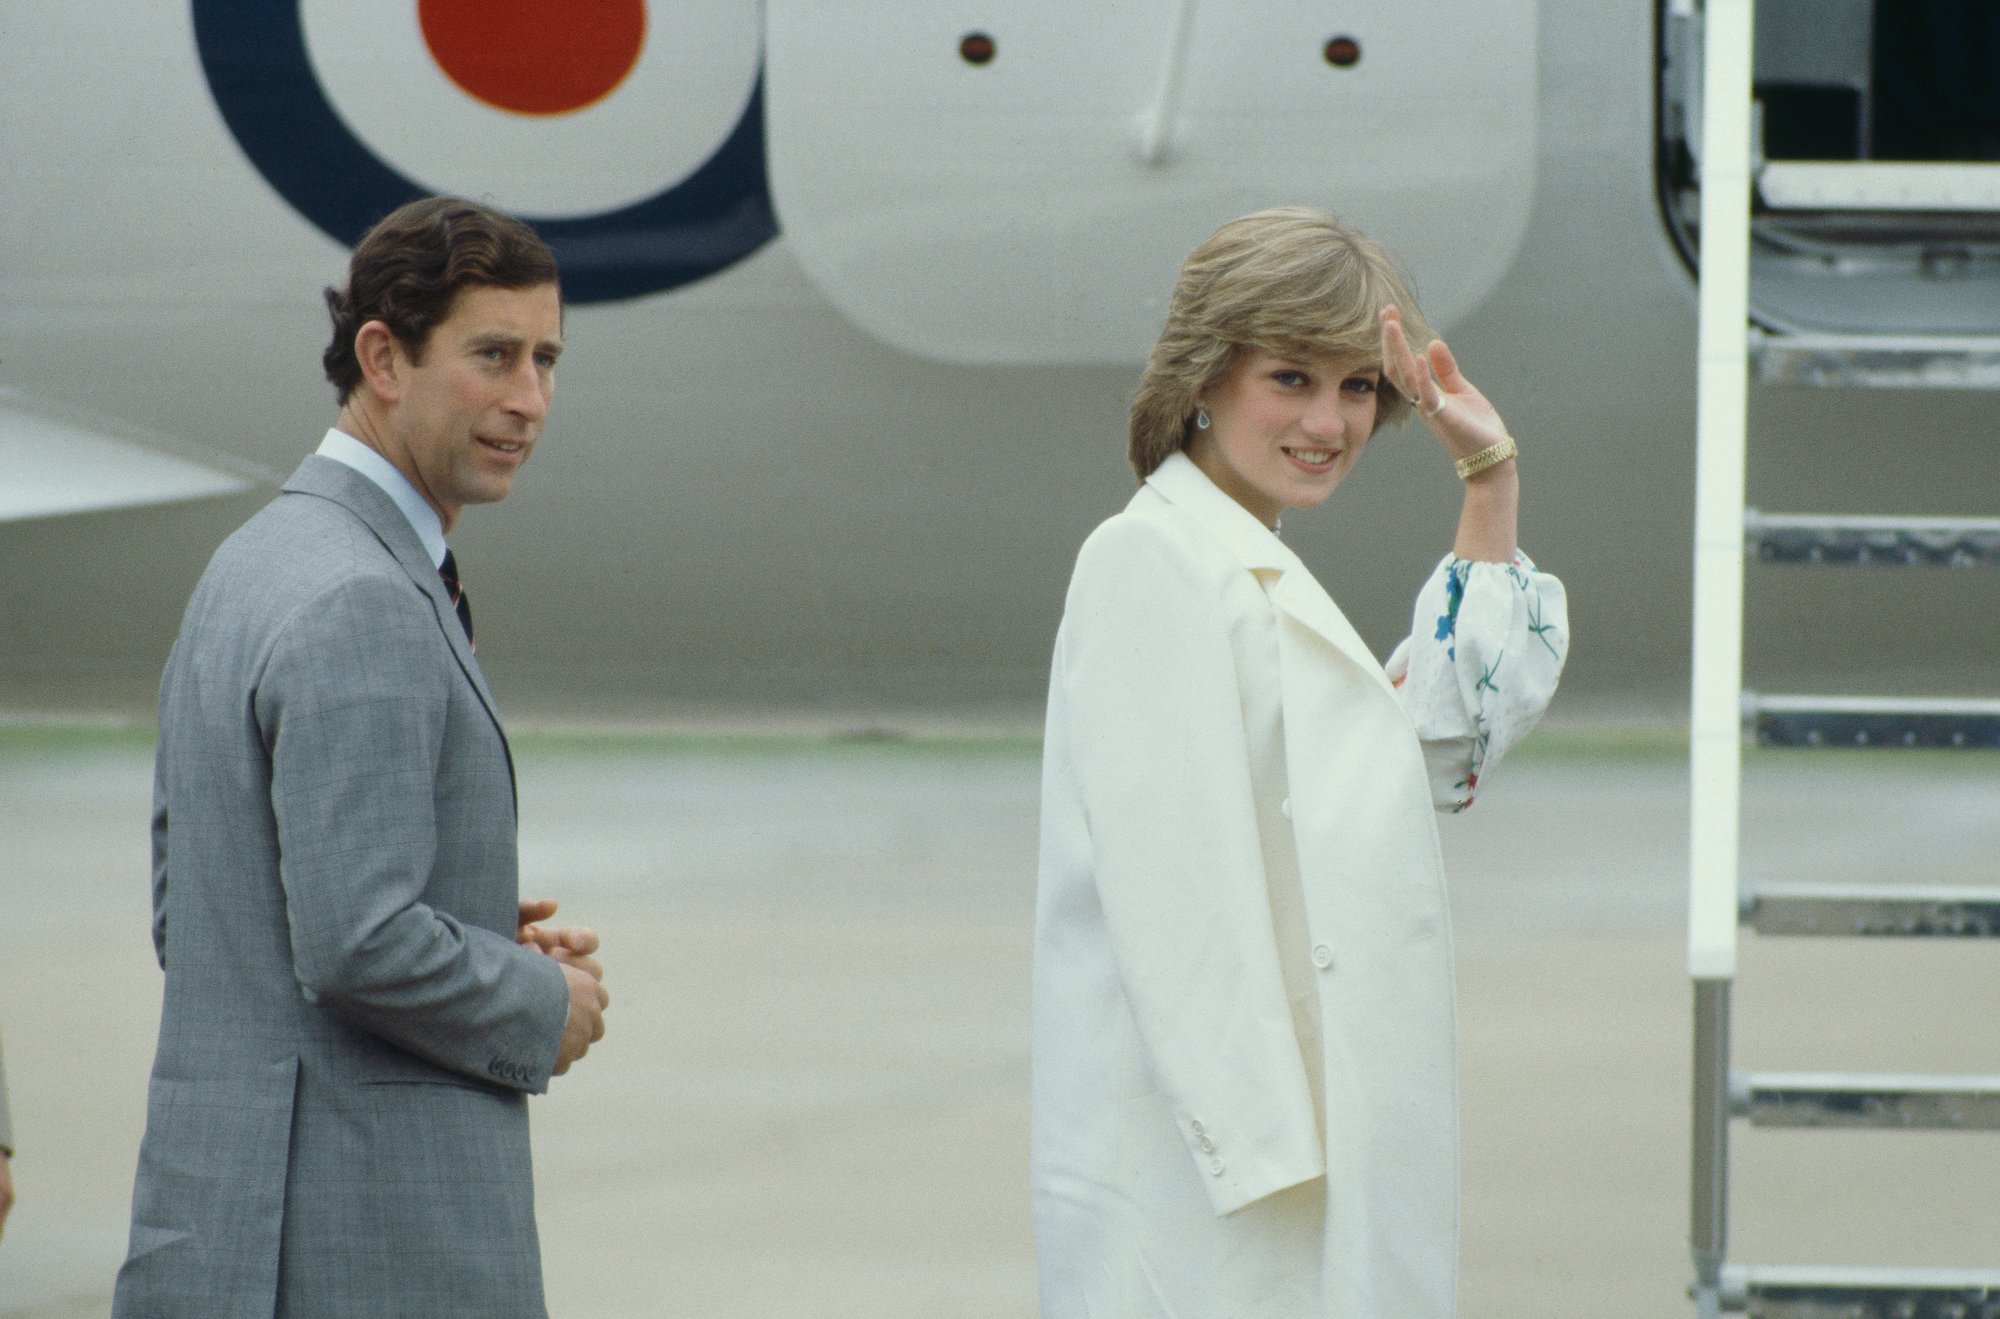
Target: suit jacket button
[[1215, 1167], [1323, 957], [1196, 1128], [1207, 1145], [1286, 807]]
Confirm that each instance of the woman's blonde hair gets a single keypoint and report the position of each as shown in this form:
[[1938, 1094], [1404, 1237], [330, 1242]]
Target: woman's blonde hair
[[1293, 281]]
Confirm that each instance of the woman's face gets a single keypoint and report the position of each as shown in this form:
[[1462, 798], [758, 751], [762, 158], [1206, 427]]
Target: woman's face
[[1284, 431]]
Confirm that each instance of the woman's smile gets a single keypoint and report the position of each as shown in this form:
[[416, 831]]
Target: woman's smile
[[1316, 461]]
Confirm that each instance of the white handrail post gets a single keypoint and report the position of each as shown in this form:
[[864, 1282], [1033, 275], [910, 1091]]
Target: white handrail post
[[1715, 743]]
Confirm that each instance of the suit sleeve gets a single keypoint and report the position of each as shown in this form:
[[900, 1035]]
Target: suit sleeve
[[353, 703], [1158, 746]]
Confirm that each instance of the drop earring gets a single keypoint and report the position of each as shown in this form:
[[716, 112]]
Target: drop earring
[[1201, 421]]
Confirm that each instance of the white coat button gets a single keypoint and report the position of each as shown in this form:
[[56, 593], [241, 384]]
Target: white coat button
[[1286, 807], [1196, 1127], [1215, 1167], [1207, 1145], [1322, 956]]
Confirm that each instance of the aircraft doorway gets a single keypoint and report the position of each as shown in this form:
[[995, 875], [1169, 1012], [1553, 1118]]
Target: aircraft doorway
[[1876, 168]]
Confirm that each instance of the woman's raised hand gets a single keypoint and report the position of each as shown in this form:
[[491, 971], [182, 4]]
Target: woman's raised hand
[[1456, 412]]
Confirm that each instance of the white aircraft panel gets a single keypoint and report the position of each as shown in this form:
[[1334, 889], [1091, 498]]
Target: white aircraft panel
[[53, 466], [1034, 208]]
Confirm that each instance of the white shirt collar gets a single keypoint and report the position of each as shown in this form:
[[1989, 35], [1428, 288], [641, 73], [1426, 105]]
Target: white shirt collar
[[345, 449]]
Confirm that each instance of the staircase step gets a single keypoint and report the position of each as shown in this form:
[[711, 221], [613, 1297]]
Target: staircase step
[[1879, 185], [1766, 1292], [1813, 538], [1869, 721], [1844, 1099], [1857, 911], [1900, 361]]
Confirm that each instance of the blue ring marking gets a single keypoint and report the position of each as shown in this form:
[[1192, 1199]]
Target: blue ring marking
[[253, 53]]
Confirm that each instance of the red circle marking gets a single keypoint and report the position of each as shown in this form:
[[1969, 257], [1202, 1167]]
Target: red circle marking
[[535, 57], [1343, 52]]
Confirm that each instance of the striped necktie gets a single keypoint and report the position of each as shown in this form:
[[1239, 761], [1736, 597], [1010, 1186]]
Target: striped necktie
[[449, 571]]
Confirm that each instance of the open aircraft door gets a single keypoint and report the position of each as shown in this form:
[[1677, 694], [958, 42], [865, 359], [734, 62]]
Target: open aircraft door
[[1019, 184]]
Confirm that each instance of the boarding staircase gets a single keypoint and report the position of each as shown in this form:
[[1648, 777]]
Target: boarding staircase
[[1709, 47]]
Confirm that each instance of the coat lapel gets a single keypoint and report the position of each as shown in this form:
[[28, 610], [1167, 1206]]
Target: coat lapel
[[1286, 581], [363, 498]]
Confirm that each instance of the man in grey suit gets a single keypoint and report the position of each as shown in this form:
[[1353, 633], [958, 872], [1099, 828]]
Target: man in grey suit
[[357, 1003]]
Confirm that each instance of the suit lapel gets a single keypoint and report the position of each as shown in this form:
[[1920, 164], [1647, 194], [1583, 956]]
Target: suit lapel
[[363, 498], [1290, 587]]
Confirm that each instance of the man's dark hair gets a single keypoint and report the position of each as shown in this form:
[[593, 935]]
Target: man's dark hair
[[409, 270]]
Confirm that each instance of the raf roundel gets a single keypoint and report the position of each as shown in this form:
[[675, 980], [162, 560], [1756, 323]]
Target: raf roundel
[[580, 51], [629, 134]]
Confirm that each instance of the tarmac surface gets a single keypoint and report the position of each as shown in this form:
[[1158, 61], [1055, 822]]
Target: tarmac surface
[[812, 1100]]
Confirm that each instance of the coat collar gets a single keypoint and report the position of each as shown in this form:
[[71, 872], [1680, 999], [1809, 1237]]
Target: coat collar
[[1188, 488], [344, 448], [335, 481], [1283, 575]]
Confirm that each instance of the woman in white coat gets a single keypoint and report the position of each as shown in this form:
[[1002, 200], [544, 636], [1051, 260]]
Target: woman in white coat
[[1245, 1096]]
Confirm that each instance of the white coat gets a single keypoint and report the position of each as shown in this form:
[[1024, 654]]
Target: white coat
[[1244, 1097]]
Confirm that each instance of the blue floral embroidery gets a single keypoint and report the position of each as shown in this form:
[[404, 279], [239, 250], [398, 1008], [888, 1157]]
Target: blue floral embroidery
[[1539, 628], [1486, 683], [1454, 595], [1468, 786]]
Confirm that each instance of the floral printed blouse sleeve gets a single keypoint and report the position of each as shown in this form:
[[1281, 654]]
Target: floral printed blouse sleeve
[[1479, 667]]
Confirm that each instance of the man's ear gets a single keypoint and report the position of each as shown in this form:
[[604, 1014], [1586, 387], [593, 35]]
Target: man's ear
[[382, 359]]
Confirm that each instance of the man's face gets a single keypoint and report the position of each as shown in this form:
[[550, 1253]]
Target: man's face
[[469, 414]]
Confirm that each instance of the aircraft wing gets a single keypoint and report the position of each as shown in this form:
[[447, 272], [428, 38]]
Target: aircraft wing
[[56, 464]]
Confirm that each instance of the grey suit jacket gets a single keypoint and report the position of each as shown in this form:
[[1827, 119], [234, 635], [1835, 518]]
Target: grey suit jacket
[[337, 1122]]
